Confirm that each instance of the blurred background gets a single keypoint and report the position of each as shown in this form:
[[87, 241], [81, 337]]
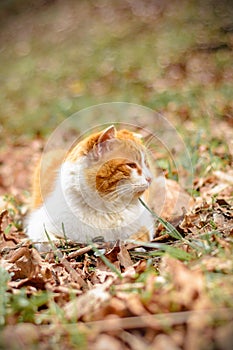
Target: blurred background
[[58, 57]]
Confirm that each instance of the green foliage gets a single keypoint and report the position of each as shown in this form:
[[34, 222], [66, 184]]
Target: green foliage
[[171, 230], [14, 211], [25, 307], [19, 305], [108, 263], [132, 58], [4, 296]]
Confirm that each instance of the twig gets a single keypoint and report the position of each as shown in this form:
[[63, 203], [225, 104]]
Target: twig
[[73, 272], [155, 321], [161, 238], [79, 252]]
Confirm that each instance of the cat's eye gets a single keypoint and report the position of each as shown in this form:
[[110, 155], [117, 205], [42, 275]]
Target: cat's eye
[[132, 165]]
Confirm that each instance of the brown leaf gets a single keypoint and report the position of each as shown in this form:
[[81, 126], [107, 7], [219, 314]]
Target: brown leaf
[[115, 306], [87, 303], [224, 336], [16, 163], [135, 306], [188, 283], [225, 177], [164, 342], [23, 335], [75, 273], [216, 264], [135, 342], [7, 244], [28, 264], [106, 342], [112, 255], [104, 274], [124, 257], [168, 199], [24, 264], [37, 282]]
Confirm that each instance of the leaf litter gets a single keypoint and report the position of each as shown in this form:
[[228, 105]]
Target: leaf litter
[[172, 293]]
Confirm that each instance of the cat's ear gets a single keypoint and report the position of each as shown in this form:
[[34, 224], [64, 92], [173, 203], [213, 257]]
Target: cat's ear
[[103, 142], [107, 134]]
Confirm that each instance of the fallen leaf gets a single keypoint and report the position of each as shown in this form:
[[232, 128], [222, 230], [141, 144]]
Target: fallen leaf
[[124, 257], [134, 305], [189, 284], [224, 336], [224, 176], [106, 342], [24, 264], [135, 342], [86, 304], [168, 199], [38, 282], [22, 335], [164, 342], [112, 254]]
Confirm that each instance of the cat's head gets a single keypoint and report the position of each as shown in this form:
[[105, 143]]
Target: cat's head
[[115, 164]]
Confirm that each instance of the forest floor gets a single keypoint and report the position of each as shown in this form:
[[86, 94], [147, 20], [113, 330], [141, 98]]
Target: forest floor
[[60, 57]]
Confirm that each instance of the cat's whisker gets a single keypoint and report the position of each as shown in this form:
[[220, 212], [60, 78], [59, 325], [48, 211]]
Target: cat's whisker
[[118, 193]]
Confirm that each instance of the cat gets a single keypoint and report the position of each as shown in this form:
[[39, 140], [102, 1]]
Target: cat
[[92, 190]]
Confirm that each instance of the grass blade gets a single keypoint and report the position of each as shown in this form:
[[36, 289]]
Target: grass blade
[[4, 278], [107, 262], [171, 230]]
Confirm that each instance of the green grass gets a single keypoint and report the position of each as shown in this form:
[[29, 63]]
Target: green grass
[[56, 64]]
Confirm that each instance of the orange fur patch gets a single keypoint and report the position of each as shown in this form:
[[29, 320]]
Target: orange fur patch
[[44, 176], [86, 145], [110, 174]]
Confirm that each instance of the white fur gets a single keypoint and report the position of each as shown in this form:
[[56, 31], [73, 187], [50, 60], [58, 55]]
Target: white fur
[[84, 214]]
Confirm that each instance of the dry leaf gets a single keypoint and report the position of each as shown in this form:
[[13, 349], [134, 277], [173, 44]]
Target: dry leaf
[[135, 342], [20, 336], [116, 307], [106, 342], [224, 336], [124, 257], [189, 284], [168, 199], [87, 303], [164, 342], [112, 254], [135, 306], [27, 263]]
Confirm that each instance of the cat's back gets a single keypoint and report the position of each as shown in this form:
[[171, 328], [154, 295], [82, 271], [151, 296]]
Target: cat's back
[[44, 176]]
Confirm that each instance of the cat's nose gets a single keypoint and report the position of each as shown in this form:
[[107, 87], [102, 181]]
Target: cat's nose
[[149, 180]]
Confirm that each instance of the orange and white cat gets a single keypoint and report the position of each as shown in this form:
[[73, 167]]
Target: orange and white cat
[[92, 191]]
